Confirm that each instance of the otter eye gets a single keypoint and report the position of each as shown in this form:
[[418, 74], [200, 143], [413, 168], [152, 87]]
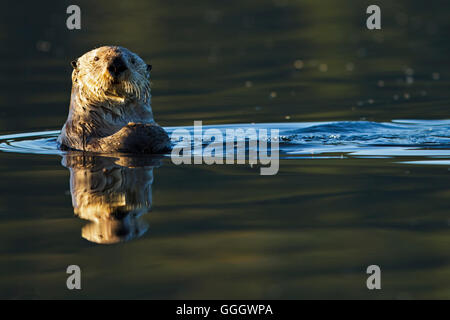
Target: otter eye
[[149, 67], [96, 58]]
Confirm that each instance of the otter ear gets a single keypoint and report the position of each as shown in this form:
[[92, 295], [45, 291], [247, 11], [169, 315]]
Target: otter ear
[[74, 63], [149, 67]]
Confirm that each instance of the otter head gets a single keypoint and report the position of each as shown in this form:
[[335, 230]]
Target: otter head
[[111, 74]]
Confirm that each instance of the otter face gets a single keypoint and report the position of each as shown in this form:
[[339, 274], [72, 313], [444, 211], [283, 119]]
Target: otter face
[[112, 74]]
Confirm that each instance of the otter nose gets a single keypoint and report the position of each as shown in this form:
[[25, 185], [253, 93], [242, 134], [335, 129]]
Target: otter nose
[[117, 66]]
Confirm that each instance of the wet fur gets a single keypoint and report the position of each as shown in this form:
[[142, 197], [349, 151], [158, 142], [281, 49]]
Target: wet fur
[[111, 115]]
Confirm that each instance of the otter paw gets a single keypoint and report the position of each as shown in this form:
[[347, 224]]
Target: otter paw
[[143, 138]]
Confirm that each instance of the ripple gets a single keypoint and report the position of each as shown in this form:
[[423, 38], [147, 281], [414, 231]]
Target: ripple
[[43, 142], [361, 139]]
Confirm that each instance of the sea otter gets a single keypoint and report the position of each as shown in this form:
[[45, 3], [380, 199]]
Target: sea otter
[[110, 105]]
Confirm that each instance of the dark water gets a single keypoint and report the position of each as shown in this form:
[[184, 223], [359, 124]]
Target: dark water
[[356, 185]]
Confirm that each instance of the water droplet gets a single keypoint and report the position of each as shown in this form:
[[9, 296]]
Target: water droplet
[[298, 64], [323, 67], [436, 76], [409, 71]]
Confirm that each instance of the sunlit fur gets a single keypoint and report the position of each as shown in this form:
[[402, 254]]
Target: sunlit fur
[[96, 85], [112, 112]]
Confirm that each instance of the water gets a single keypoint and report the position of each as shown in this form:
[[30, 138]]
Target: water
[[399, 138], [355, 187]]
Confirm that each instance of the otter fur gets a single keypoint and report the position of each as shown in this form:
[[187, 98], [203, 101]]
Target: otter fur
[[110, 105]]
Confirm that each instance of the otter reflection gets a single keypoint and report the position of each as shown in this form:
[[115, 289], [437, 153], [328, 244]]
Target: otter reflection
[[111, 192]]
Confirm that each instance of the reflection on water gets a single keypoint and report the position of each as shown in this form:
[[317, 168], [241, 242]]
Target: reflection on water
[[112, 193]]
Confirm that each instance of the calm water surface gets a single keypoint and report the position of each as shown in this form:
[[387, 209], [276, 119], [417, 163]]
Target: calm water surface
[[365, 155]]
